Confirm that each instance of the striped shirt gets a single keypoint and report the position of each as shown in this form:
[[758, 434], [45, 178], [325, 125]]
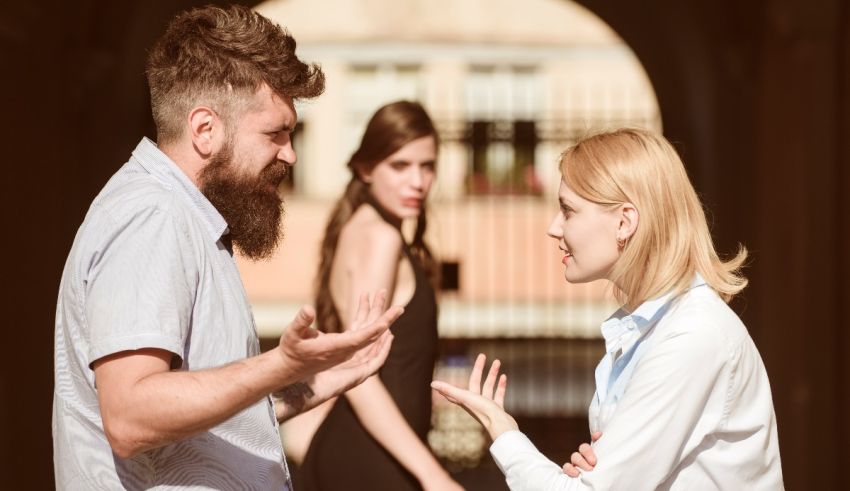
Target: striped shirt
[[148, 269]]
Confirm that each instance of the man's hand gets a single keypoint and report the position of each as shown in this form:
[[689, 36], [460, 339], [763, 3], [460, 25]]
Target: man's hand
[[306, 351], [584, 459], [485, 403], [302, 396]]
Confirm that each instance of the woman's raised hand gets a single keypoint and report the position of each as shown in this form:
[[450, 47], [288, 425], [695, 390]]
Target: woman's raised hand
[[484, 402]]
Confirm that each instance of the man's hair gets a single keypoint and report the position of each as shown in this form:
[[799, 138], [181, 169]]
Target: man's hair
[[220, 57]]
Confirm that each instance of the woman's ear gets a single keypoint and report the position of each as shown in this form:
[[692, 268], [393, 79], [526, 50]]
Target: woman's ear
[[363, 173], [629, 218]]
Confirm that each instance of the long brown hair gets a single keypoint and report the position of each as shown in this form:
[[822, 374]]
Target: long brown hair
[[390, 128]]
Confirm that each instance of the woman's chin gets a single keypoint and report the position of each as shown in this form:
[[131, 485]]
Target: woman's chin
[[576, 277]]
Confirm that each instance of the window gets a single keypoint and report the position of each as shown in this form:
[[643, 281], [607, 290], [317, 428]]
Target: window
[[502, 133], [502, 157]]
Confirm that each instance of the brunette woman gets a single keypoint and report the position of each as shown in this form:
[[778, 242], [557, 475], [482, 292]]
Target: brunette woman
[[373, 438]]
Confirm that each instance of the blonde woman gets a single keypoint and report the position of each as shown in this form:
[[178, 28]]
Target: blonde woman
[[682, 398]]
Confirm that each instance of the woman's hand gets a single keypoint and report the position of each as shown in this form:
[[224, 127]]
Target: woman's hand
[[584, 459], [485, 403]]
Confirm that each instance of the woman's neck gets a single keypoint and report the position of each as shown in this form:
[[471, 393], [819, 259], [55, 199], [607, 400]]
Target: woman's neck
[[387, 216]]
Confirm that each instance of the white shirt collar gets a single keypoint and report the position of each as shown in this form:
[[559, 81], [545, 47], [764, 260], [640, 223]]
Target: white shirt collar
[[622, 330]]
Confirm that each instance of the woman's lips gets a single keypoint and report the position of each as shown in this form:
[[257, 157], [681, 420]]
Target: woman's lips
[[412, 202], [567, 256]]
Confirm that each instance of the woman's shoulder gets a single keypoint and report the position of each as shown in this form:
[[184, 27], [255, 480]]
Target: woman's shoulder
[[367, 233], [702, 320]]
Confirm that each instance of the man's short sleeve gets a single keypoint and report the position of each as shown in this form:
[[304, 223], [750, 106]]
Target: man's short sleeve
[[140, 285]]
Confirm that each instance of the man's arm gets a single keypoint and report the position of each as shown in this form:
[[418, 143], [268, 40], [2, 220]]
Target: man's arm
[[305, 395], [144, 405]]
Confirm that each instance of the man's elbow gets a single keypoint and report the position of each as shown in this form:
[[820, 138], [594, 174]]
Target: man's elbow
[[125, 440]]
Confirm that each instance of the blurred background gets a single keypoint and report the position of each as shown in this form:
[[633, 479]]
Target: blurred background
[[753, 95], [510, 85]]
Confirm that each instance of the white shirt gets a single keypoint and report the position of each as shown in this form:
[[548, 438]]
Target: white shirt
[[148, 270], [683, 403]]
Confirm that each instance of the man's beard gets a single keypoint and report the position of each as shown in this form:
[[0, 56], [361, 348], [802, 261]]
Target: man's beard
[[252, 212]]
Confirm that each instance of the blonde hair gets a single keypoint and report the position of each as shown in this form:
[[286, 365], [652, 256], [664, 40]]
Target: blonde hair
[[672, 241]]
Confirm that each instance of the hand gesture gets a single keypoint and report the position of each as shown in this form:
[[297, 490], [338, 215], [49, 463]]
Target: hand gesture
[[333, 381], [306, 351], [485, 403], [584, 459]]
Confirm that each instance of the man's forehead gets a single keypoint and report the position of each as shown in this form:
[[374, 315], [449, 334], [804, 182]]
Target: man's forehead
[[271, 106]]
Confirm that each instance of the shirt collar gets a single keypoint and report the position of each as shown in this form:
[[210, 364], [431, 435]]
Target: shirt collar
[[622, 330], [160, 166]]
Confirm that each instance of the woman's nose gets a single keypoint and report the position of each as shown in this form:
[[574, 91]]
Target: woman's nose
[[555, 231]]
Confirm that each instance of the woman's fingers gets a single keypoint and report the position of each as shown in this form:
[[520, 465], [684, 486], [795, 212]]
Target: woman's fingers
[[501, 388], [570, 470], [578, 460], [586, 452], [583, 460], [494, 386], [447, 390], [490, 381], [475, 376]]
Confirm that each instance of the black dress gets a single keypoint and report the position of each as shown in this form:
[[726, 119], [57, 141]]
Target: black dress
[[342, 454]]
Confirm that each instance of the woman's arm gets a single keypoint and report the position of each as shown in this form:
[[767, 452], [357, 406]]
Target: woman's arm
[[647, 436], [377, 248], [525, 468]]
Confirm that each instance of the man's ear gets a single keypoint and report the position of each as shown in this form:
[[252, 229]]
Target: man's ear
[[205, 128], [629, 218]]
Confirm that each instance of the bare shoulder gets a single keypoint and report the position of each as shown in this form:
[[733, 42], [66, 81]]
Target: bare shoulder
[[368, 237]]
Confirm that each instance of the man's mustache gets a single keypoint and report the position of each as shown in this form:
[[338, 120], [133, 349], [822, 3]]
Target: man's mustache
[[275, 172]]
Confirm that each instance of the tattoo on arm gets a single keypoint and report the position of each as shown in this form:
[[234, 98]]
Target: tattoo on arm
[[295, 395]]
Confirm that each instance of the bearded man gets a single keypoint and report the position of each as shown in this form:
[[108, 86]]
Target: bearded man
[[159, 380]]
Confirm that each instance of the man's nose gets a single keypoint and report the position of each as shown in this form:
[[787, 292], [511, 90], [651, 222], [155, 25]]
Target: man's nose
[[287, 154]]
